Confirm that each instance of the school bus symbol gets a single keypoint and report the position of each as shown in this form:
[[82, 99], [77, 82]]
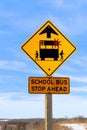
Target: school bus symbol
[[49, 49]]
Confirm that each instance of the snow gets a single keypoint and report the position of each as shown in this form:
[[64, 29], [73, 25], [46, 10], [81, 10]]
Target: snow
[[76, 126], [3, 120]]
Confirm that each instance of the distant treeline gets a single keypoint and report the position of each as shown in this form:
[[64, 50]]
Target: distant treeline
[[38, 124]]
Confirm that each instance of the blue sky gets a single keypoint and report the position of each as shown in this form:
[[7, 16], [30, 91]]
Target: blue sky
[[18, 21]]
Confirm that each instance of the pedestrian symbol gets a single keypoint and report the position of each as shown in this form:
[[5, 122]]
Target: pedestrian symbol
[[48, 48], [61, 54], [36, 55]]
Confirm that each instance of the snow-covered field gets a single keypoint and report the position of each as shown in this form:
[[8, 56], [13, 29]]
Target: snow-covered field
[[79, 126]]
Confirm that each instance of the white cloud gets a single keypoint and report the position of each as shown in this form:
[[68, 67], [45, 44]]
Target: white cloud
[[22, 109], [4, 32], [61, 4], [10, 107], [17, 66], [12, 65], [32, 106], [80, 79], [80, 61], [74, 23], [74, 78], [69, 105], [57, 3], [19, 96], [77, 24], [82, 89]]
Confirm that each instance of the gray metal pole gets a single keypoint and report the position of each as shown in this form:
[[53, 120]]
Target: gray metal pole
[[48, 111]]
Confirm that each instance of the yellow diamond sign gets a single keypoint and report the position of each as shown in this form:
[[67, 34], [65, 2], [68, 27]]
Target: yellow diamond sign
[[48, 48]]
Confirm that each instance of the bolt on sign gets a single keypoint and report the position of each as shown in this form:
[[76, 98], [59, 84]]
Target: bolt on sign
[[49, 85], [48, 48]]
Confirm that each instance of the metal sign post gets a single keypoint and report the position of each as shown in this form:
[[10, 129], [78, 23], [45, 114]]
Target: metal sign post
[[48, 111]]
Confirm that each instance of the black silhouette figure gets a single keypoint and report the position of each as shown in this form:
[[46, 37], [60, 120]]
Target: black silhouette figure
[[36, 55], [61, 54]]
